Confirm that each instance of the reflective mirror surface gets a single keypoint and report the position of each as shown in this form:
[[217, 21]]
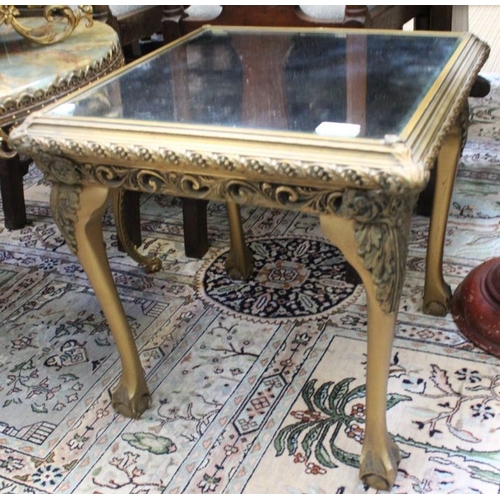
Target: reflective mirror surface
[[331, 83]]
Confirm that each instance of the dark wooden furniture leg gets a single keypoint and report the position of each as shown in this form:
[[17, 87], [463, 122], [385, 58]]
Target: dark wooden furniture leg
[[172, 17], [481, 87], [195, 227], [131, 219], [12, 171], [436, 18]]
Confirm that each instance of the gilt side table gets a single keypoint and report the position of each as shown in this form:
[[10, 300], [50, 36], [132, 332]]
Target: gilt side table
[[348, 126], [34, 75]]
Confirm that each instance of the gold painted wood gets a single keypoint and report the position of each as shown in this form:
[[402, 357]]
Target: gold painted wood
[[363, 190], [437, 293], [379, 456], [66, 17], [149, 264], [78, 211], [239, 262]]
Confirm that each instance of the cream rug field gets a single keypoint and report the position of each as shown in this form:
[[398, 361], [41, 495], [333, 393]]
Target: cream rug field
[[257, 387]]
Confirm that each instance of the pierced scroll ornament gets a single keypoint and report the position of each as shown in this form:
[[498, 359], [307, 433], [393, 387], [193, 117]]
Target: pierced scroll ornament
[[61, 22]]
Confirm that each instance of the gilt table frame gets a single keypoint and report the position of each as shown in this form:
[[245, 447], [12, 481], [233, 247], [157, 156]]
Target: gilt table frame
[[363, 190]]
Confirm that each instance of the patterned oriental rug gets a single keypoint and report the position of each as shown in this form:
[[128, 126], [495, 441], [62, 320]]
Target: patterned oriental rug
[[257, 387]]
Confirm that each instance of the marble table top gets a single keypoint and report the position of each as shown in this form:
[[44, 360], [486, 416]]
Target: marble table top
[[33, 75]]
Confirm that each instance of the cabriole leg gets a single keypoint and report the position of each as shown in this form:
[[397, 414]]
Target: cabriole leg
[[239, 263], [380, 455], [78, 212], [437, 293]]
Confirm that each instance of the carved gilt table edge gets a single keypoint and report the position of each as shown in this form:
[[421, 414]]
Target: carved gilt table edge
[[152, 168], [451, 102], [379, 202]]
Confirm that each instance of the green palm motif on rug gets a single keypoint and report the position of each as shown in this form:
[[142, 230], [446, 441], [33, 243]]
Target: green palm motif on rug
[[314, 435]]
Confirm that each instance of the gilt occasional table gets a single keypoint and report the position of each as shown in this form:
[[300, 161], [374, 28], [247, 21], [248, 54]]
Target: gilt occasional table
[[345, 124]]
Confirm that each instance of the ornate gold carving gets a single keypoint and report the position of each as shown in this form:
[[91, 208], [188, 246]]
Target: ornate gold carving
[[65, 202], [381, 230], [342, 176], [61, 170], [56, 169], [52, 32], [16, 107], [381, 217], [459, 104]]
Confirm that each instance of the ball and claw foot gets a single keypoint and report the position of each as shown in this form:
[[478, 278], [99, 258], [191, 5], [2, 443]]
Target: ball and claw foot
[[436, 309], [439, 307], [130, 406], [240, 268], [378, 471], [151, 264]]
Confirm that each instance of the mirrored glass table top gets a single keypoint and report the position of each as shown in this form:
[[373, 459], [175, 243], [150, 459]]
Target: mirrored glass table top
[[327, 83]]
